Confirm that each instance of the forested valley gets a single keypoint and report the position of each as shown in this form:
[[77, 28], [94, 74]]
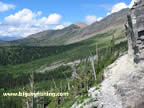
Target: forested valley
[[16, 74]]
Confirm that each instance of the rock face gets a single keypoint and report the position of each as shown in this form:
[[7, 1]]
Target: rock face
[[123, 86], [135, 31]]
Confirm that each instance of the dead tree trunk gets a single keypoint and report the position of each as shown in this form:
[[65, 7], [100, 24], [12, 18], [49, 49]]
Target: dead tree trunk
[[97, 52], [32, 87], [54, 83], [74, 73], [93, 67], [61, 87], [68, 81], [91, 59], [87, 86], [27, 103]]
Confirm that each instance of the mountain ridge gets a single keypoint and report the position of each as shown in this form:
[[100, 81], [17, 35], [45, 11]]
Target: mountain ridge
[[73, 33]]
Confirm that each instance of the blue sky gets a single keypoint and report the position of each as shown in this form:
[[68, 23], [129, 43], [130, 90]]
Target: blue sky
[[25, 17]]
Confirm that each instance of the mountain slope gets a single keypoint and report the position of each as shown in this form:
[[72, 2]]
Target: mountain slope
[[81, 25], [46, 38], [73, 33], [113, 21]]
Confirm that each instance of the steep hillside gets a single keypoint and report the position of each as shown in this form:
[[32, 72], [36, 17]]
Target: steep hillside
[[113, 21], [73, 33]]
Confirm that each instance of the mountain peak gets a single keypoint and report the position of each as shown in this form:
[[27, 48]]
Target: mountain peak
[[81, 24]]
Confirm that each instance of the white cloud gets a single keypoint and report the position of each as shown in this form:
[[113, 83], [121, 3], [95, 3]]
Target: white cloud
[[92, 18], [108, 13], [26, 22], [22, 17], [51, 19], [17, 31], [119, 6], [99, 19], [39, 13], [6, 7], [61, 26]]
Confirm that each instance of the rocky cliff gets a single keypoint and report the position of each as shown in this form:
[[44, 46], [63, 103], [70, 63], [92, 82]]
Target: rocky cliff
[[135, 31], [123, 86]]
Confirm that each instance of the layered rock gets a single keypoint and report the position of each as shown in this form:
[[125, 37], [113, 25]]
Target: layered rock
[[135, 31]]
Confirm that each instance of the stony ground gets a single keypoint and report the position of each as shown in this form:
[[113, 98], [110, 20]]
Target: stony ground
[[123, 86]]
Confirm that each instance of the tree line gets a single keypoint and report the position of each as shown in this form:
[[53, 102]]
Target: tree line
[[23, 54]]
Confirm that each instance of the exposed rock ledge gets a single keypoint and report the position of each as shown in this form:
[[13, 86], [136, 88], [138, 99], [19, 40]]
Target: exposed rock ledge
[[123, 86]]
